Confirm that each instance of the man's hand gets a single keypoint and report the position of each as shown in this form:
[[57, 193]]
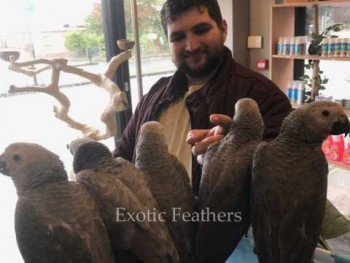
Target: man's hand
[[201, 139]]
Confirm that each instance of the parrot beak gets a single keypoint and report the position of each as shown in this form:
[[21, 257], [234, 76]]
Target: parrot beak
[[3, 167], [342, 126]]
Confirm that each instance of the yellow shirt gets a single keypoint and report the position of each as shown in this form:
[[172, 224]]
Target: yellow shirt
[[177, 124]]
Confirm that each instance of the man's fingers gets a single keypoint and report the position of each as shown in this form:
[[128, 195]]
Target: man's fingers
[[195, 136], [201, 147], [221, 120]]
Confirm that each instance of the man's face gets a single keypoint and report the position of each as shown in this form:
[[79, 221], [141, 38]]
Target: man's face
[[196, 42]]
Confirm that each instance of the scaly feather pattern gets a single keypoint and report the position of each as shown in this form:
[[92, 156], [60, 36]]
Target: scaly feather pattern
[[225, 184], [289, 184], [55, 220]]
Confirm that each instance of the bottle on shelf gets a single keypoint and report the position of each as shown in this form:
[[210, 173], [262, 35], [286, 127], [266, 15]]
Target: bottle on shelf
[[331, 47], [343, 47], [337, 47], [295, 92], [299, 46], [286, 46], [290, 90], [303, 43], [325, 47], [292, 46], [348, 47], [279, 47], [301, 93]]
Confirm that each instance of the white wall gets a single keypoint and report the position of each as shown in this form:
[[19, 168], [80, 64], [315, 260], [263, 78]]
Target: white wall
[[260, 25], [226, 11]]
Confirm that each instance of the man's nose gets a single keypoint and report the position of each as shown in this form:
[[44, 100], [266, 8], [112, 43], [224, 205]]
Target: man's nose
[[192, 43]]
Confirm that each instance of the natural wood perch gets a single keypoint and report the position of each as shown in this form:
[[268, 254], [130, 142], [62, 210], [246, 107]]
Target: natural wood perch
[[118, 100]]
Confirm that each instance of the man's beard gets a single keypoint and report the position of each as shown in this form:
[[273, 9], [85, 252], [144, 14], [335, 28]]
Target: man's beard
[[210, 65]]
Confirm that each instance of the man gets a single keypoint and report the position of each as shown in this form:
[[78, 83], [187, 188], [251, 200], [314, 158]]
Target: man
[[208, 81]]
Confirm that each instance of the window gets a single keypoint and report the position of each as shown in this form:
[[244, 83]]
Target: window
[[72, 30], [155, 60]]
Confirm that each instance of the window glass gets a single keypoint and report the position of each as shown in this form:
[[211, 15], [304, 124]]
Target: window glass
[[155, 59], [41, 29], [72, 31]]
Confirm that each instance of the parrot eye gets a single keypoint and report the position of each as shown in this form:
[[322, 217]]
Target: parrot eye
[[325, 113], [16, 157]]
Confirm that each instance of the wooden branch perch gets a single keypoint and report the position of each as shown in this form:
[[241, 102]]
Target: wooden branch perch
[[118, 100]]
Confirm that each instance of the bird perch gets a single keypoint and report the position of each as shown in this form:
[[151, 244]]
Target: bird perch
[[118, 100]]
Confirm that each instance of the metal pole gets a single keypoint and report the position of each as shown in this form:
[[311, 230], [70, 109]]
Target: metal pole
[[137, 48], [316, 62]]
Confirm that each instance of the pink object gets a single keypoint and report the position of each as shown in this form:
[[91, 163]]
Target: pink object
[[337, 148], [346, 156], [326, 146]]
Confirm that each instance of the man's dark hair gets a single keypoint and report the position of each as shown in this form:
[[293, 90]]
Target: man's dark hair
[[172, 8]]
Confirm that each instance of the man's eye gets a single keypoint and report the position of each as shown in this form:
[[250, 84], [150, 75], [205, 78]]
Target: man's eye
[[201, 29], [176, 38]]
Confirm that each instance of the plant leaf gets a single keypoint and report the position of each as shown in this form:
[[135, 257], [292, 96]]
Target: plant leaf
[[334, 224], [304, 77], [325, 81]]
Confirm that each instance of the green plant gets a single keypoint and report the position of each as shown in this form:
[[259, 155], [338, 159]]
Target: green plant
[[316, 81], [315, 47], [320, 80]]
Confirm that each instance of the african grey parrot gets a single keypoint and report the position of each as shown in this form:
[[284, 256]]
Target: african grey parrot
[[225, 184], [289, 184], [135, 225], [56, 221], [169, 183]]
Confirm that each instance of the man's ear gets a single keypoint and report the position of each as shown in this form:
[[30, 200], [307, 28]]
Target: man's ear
[[223, 28]]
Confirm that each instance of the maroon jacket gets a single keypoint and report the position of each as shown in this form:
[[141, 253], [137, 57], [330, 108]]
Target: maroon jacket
[[230, 83]]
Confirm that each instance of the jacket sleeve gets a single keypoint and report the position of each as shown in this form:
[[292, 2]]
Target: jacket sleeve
[[124, 146], [274, 106]]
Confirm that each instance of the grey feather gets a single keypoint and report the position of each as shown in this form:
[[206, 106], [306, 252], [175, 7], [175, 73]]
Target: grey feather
[[289, 185], [120, 189], [225, 184], [55, 220], [169, 183]]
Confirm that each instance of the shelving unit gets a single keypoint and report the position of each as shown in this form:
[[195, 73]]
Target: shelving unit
[[312, 57], [282, 23], [320, 3]]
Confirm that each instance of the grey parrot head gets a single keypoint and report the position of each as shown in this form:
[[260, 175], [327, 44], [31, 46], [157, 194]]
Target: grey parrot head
[[88, 153], [74, 145], [248, 118], [30, 164], [316, 120], [151, 133]]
